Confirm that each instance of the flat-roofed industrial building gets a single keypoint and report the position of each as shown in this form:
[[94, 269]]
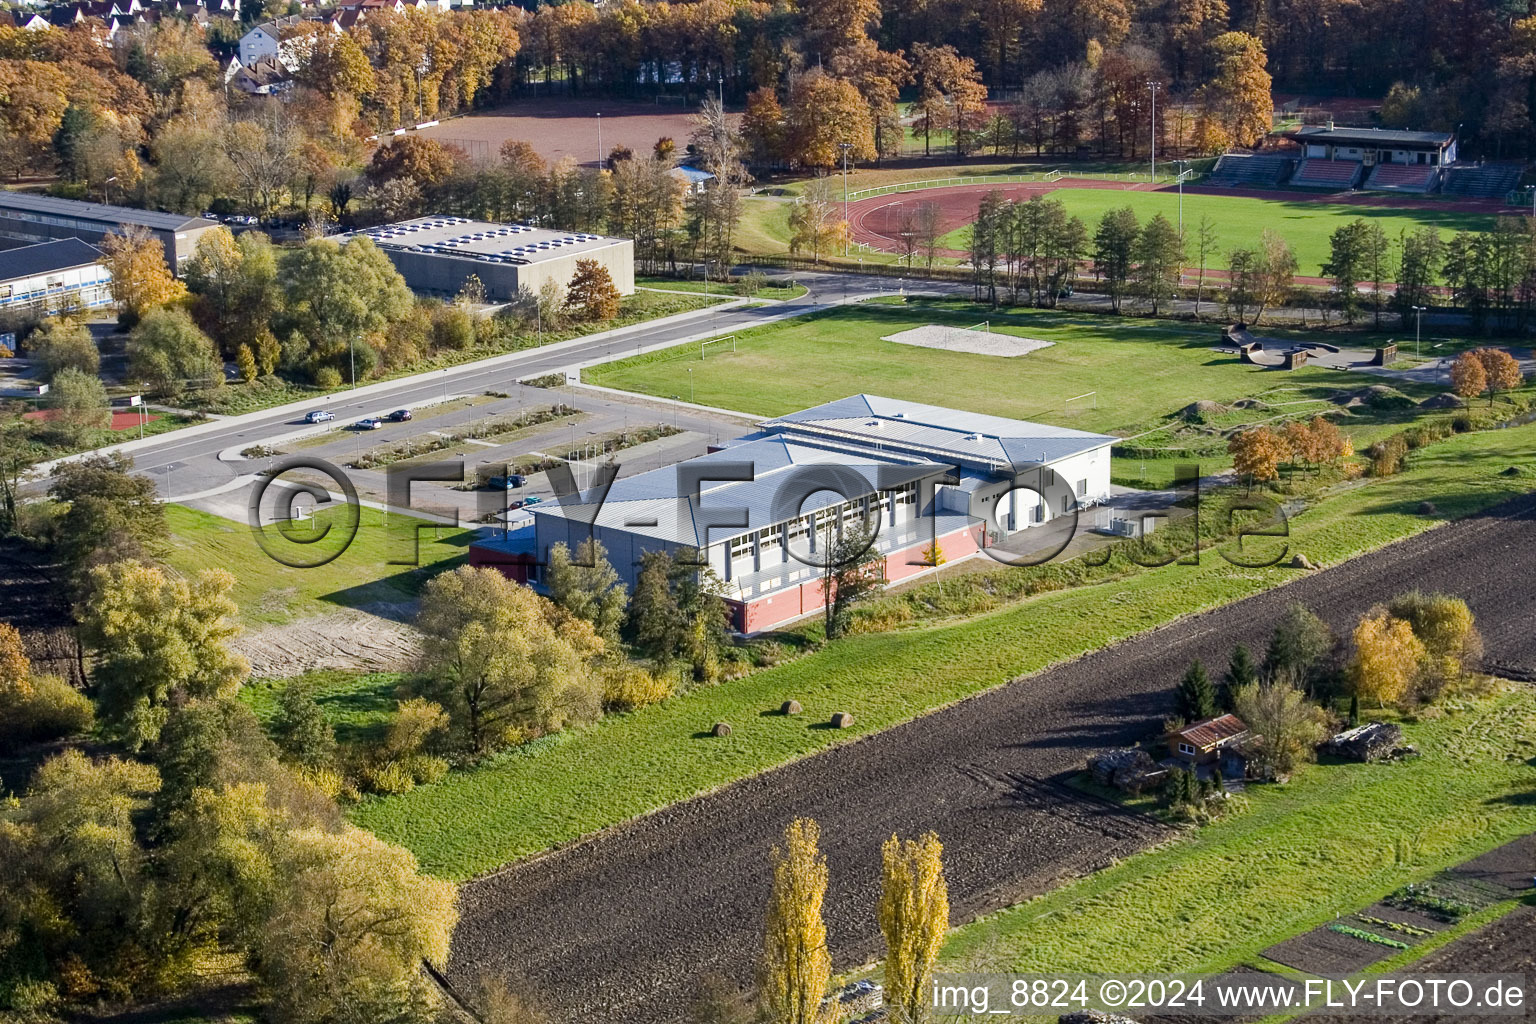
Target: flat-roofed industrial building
[[31, 217], [437, 255]]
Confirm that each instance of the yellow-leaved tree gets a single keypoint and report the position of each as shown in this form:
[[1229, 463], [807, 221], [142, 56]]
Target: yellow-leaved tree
[[914, 917], [349, 925], [1387, 657], [502, 659], [1445, 626], [796, 962], [157, 637], [141, 278]]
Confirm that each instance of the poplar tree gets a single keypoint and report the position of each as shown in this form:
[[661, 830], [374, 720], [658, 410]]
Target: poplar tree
[[796, 962], [914, 917]]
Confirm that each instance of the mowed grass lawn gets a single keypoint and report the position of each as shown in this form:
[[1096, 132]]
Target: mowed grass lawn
[[1240, 220], [1330, 842], [268, 591], [565, 786], [1141, 369], [358, 705]]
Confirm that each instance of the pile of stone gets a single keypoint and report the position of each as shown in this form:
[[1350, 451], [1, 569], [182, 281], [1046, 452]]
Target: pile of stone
[[1374, 741], [1130, 770]]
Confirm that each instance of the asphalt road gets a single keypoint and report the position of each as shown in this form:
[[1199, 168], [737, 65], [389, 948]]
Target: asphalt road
[[187, 465], [619, 927]]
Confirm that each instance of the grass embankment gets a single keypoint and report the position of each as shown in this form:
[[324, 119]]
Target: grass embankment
[[1333, 840], [1240, 220], [268, 591], [571, 784], [778, 292]]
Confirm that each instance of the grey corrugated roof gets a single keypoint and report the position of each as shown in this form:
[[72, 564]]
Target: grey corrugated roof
[[933, 431], [650, 504], [1376, 136], [46, 257], [862, 444], [33, 202]]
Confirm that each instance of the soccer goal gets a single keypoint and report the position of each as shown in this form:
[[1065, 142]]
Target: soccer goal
[[1085, 396], [704, 345]]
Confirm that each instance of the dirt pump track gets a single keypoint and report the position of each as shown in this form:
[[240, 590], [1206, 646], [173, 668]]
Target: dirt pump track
[[620, 926]]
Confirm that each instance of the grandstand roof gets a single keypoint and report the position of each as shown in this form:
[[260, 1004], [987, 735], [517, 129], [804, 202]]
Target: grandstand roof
[[1373, 136]]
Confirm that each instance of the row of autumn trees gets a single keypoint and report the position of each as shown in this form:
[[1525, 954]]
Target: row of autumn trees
[[148, 116], [1440, 66], [1029, 251], [796, 967], [183, 832], [847, 105], [321, 312]]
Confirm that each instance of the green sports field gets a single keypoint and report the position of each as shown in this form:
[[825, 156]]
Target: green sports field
[[1141, 369], [1240, 220]]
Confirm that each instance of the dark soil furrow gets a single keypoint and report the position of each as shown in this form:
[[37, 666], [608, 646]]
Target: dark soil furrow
[[617, 928]]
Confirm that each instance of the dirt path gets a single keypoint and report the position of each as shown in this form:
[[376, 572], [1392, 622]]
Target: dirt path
[[620, 926]]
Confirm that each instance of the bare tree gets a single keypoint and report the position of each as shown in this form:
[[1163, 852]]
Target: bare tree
[[1205, 245], [263, 152]]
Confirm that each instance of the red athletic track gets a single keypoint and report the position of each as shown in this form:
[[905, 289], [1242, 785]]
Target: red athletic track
[[876, 221]]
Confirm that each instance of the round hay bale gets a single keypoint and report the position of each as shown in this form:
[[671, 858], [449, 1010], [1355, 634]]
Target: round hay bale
[[790, 707], [1427, 508], [721, 729], [842, 720], [1301, 561]]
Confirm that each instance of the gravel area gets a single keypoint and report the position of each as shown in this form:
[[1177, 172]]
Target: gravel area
[[619, 927], [964, 339]]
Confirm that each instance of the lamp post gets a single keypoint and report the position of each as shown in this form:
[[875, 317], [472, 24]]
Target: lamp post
[[1183, 169], [1532, 190], [845, 147], [599, 140], [1154, 86], [690, 385], [352, 354], [1418, 324]]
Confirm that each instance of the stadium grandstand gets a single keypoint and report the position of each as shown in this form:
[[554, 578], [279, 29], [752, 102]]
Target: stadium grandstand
[[1239, 170], [1486, 181], [1334, 174], [1372, 160]]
